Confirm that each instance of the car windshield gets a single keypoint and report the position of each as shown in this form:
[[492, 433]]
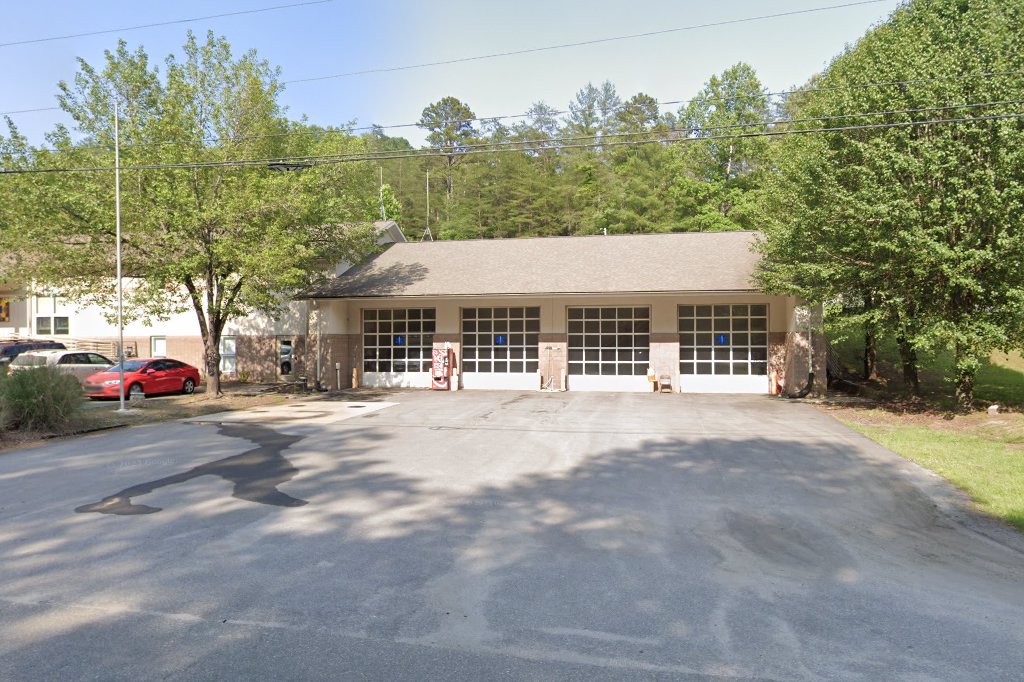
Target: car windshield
[[129, 366]]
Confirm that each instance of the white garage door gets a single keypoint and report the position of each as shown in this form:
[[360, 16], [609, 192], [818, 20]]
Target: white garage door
[[500, 348], [397, 346], [609, 348], [723, 348]]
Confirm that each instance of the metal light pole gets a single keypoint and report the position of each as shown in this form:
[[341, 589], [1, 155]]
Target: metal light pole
[[117, 210]]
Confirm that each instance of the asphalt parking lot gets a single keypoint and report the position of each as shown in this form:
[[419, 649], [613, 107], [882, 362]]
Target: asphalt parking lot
[[486, 535]]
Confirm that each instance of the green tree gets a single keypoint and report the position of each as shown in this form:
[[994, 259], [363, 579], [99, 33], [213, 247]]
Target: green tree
[[915, 230], [220, 240], [716, 173], [450, 123]]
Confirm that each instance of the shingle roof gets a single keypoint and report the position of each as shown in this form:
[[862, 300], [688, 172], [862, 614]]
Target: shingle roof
[[689, 261]]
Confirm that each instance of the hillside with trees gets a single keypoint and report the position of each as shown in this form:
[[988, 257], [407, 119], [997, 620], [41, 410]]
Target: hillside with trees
[[591, 167]]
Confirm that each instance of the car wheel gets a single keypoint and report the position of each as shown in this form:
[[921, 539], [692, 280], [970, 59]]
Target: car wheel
[[286, 368], [136, 390], [188, 387]]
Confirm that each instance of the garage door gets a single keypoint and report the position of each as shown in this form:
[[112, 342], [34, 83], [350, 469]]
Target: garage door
[[609, 348], [397, 345], [500, 348], [723, 348]]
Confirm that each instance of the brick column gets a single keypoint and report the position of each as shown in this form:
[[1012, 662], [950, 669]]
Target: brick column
[[553, 351]]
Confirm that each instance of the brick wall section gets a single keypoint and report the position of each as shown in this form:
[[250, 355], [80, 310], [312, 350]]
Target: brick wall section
[[188, 349], [777, 349], [554, 361], [335, 348], [795, 362], [258, 358], [665, 357]]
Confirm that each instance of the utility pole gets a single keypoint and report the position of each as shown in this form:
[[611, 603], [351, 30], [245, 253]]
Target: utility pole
[[426, 233], [117, 220], [383, 215]]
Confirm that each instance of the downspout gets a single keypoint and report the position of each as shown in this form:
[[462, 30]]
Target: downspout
[[306, 345], [319, 347]]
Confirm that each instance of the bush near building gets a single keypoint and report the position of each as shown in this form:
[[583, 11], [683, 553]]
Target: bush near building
[[40, 399]]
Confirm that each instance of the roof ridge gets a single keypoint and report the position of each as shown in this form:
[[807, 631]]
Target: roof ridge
[[580, 236]]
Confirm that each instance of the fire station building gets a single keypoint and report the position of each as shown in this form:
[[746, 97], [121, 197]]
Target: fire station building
[[599, 313]]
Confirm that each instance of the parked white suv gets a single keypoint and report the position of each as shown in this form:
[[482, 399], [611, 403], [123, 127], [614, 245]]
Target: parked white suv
[[76, 363]]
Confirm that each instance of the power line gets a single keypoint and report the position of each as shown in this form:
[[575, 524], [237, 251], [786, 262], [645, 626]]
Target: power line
[[554, 143], [582, 43], [163, 23], [776, 133], [553, 112], [378, 156], [595, 41]]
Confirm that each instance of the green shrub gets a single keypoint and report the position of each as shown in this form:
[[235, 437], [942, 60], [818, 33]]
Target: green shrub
[[39, 399]]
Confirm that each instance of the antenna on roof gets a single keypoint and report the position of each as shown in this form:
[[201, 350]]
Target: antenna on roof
[[426, 233], [383, 215]]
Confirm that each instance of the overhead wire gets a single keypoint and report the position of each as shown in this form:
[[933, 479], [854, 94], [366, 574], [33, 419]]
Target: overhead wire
[[582, 43], [621, 107], [383, 156], [86, 34], [509, 53]]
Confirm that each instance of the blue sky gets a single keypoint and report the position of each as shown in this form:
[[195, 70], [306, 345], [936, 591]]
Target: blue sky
[[343, 36]]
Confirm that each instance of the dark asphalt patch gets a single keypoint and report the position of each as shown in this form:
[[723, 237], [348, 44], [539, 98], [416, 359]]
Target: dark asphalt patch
[[256, 474]]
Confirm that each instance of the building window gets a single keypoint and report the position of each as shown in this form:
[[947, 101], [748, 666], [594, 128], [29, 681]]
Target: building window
[[228, 355], [48, 323], [398, 340], [723, 339], [501, 340], [609, 341], [158, 346]]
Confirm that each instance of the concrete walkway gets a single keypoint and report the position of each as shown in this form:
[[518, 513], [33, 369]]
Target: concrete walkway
[[494, 536]]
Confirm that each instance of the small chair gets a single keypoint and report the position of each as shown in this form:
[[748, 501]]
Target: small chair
[[665, 383]]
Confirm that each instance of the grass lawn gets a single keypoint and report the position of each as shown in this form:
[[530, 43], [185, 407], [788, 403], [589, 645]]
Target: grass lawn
[[983, 455]]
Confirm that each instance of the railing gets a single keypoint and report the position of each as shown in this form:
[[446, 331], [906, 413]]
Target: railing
[[106, 347]]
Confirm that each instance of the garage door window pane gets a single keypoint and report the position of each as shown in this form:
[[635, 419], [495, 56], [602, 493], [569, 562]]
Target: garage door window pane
[[616, 342], [730, 349], [393, 336], [505, 336]]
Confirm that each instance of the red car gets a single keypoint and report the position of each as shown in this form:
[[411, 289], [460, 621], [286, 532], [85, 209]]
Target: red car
[[147, 377]]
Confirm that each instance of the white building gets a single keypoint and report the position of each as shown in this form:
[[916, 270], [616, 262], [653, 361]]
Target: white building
[[257, 347]]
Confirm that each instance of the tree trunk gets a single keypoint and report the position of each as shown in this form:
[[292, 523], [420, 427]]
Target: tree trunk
[[449, 181], [211, 357], [908, 357], [210, 332], [965, 390], [966, 366], [870, 355]]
